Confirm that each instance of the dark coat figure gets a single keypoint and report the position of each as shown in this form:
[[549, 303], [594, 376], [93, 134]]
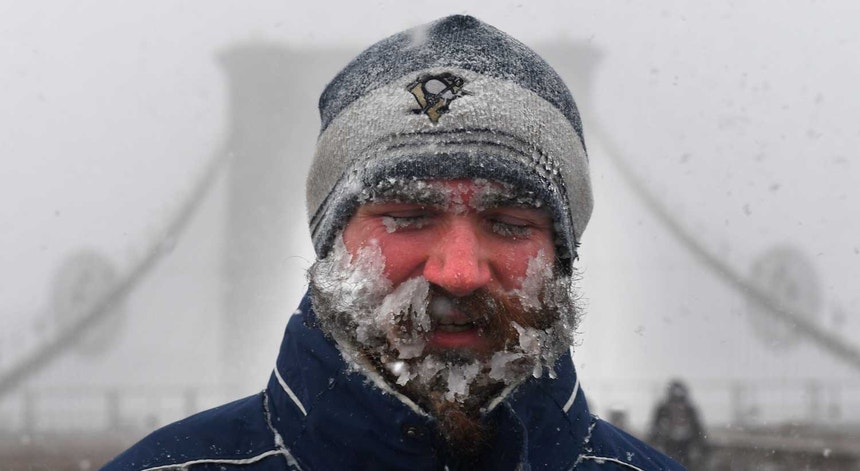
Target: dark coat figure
[[676, 428]]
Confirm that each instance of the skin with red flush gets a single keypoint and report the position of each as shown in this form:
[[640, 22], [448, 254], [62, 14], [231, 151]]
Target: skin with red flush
[[460, 248]]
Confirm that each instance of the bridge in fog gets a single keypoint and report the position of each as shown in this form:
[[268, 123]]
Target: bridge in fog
[[260, 167]]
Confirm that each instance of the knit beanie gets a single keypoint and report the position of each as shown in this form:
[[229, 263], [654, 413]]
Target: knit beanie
[[455, 98]]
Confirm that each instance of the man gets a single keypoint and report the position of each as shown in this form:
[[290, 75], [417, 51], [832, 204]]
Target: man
[[447, 199], [676, 428]]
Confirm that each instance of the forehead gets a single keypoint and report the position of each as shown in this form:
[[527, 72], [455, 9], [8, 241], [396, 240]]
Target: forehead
[[475, 193]]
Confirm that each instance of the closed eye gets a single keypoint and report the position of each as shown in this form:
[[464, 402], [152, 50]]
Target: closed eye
[[517, 223], [406, 220], [511, 229]]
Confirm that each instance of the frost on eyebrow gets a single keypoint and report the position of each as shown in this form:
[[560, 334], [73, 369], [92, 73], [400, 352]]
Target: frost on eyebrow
[[487, 194], [401, 190], [492, 194]]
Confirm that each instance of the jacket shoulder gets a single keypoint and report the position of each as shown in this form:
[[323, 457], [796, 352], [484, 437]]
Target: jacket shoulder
[[236, 432], [610, 448]]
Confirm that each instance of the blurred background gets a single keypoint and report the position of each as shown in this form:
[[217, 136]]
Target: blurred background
[[152, 165]]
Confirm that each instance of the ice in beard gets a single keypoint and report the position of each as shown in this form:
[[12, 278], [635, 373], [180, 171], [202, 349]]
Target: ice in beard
[[405, 309], [389, 326]]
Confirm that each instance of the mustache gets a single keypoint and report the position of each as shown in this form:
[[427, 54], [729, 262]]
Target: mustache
[[494, 313]]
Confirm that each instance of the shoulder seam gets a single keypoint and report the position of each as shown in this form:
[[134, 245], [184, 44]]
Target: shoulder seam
[[290, 392], [613, 460], [253, 459], [572, 398], [279, 440]]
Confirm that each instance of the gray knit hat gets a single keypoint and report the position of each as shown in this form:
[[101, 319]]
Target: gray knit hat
[[455, 98]]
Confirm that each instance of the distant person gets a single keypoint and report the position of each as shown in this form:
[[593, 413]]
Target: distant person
[[676, 428], [447, 200]]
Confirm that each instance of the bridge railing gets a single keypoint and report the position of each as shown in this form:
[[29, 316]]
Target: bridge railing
[[744, 403], [721, 403], [96, 409]]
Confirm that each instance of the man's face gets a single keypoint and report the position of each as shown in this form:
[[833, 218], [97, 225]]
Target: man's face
[[463, 237], [447, 289]]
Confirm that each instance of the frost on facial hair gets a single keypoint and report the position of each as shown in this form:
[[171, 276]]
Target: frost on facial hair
[[405, 310], [531, 341], [542, 290], [489, 194], [538, 274], [359, 300], [353, 284], [536, 349], [384, 330], [389, 325], [500, 364], [460, 377]]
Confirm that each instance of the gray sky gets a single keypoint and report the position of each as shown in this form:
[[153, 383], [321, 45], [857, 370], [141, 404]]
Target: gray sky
[[741, 116]]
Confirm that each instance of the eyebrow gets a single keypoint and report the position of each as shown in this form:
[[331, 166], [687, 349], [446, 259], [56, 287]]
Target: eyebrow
[[398, 191], [422, 193], [497, 199]]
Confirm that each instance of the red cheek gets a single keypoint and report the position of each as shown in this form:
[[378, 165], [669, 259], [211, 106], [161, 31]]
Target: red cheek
[[403, 259]]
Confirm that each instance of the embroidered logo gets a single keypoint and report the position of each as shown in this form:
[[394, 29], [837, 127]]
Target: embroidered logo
[[435, 92]]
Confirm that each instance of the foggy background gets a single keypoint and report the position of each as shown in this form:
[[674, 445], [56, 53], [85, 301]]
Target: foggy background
[[158, 150]]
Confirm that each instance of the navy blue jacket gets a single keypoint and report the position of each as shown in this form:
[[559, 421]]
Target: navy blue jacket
[[316, 415]]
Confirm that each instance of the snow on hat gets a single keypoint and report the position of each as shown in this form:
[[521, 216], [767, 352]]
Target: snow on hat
[[455, 98]]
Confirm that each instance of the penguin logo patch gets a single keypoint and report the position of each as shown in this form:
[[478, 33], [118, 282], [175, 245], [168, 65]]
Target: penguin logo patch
[[435, 92]]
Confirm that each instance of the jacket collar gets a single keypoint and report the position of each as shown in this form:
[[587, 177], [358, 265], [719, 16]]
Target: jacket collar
[[316, 399]]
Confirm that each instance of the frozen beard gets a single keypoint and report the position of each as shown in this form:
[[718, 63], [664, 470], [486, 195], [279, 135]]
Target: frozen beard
[[383, 331]]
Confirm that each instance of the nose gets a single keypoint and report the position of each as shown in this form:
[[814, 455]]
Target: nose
[[458, 261]]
